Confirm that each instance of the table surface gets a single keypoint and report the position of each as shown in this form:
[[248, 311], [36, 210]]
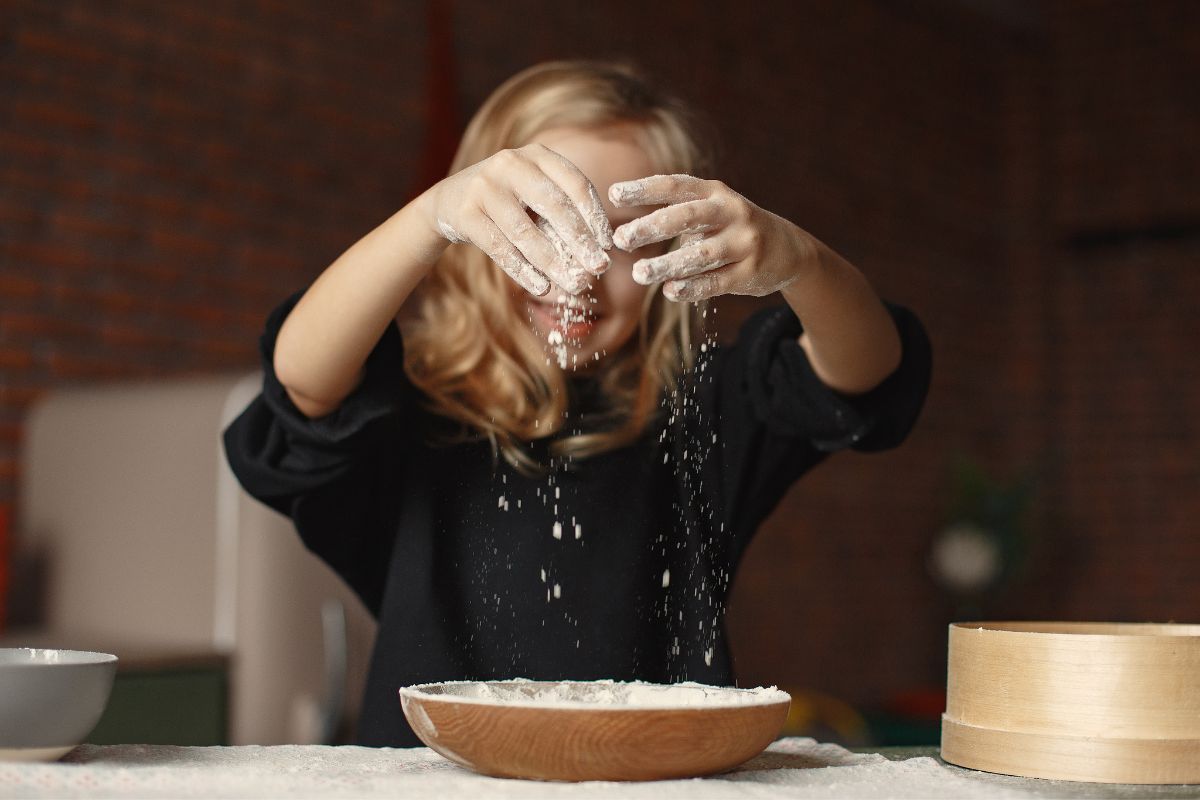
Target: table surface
[[788, 768], [1035, 787]]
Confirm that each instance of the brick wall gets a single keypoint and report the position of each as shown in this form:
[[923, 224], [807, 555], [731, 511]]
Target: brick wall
[[1064, 328], [169, 171], [1121, 251]]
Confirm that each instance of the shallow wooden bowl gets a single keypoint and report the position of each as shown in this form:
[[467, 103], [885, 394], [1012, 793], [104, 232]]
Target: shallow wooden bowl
[[1080, 701], [582, 731]]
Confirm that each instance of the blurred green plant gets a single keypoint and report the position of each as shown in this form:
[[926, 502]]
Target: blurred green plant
[[984, 549]]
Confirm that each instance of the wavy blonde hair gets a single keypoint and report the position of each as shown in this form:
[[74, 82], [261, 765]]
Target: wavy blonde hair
[[470, 349]]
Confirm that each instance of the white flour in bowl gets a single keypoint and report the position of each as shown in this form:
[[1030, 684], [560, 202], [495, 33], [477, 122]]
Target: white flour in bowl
[[608, 693]]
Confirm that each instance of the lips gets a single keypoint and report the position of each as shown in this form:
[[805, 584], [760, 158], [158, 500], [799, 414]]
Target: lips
[[577, 330], [573, 325]]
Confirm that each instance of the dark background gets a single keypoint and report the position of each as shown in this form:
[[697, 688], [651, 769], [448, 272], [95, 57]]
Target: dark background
[[1024, 175]]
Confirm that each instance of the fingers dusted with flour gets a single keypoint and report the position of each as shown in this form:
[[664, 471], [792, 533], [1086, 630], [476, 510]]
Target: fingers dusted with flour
[[587, 202], [532, 212], [727, 245]]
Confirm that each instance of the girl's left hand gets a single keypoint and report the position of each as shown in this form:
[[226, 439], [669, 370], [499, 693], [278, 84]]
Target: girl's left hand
[[728, 245]]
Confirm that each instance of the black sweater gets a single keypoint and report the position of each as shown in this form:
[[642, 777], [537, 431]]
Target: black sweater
[[616, 566]]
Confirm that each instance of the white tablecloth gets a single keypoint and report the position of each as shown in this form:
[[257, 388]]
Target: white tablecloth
[[791, 768]]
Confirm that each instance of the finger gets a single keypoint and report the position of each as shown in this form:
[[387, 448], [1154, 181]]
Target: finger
[[701, 287], [694, 216], [703, 256], [564, 270], [520, 173], [492, 241], [556, 263], [583, 193], [538, 188], [658, 190]]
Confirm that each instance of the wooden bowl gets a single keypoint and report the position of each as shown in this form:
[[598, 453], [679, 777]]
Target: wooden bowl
[[1079, 701], [584, 731]]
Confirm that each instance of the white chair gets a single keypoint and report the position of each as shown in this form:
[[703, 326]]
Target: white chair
[[152, 545]]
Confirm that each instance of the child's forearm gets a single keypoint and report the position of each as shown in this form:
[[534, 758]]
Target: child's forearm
[[325, 341], [323, 344], [849, 335], [731, 246]]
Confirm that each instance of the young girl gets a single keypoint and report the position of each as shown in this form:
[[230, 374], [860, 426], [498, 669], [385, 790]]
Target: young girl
[[548, 475]]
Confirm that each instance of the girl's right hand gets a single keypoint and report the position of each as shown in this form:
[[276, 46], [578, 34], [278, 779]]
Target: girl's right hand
[[488, 205]]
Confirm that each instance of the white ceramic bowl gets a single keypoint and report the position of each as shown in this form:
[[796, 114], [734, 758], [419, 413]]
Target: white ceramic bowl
[[601, 730], [50, 700]]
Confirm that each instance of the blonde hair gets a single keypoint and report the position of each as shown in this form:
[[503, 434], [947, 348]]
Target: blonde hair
[[468, 347]]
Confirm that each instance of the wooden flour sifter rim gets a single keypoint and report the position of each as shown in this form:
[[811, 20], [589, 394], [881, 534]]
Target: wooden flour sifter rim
[[1084, 701]]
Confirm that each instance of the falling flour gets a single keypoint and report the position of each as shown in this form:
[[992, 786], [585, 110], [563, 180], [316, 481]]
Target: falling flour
[[691, 607], [556, 341], [573, 694], [568, 312]]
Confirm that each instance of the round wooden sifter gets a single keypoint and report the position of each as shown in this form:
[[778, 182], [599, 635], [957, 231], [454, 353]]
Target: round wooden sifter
[[1079, 701]]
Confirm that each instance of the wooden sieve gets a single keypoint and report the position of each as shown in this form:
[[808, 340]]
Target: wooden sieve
[[1081, 701]]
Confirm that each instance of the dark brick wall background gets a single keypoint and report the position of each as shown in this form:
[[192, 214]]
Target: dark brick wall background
[[1023, 174]]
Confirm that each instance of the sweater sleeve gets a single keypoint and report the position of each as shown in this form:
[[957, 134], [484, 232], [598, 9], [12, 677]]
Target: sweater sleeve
[[329, 474], [776, 419]]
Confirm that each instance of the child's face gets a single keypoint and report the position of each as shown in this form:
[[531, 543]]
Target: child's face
[[613, 306]]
